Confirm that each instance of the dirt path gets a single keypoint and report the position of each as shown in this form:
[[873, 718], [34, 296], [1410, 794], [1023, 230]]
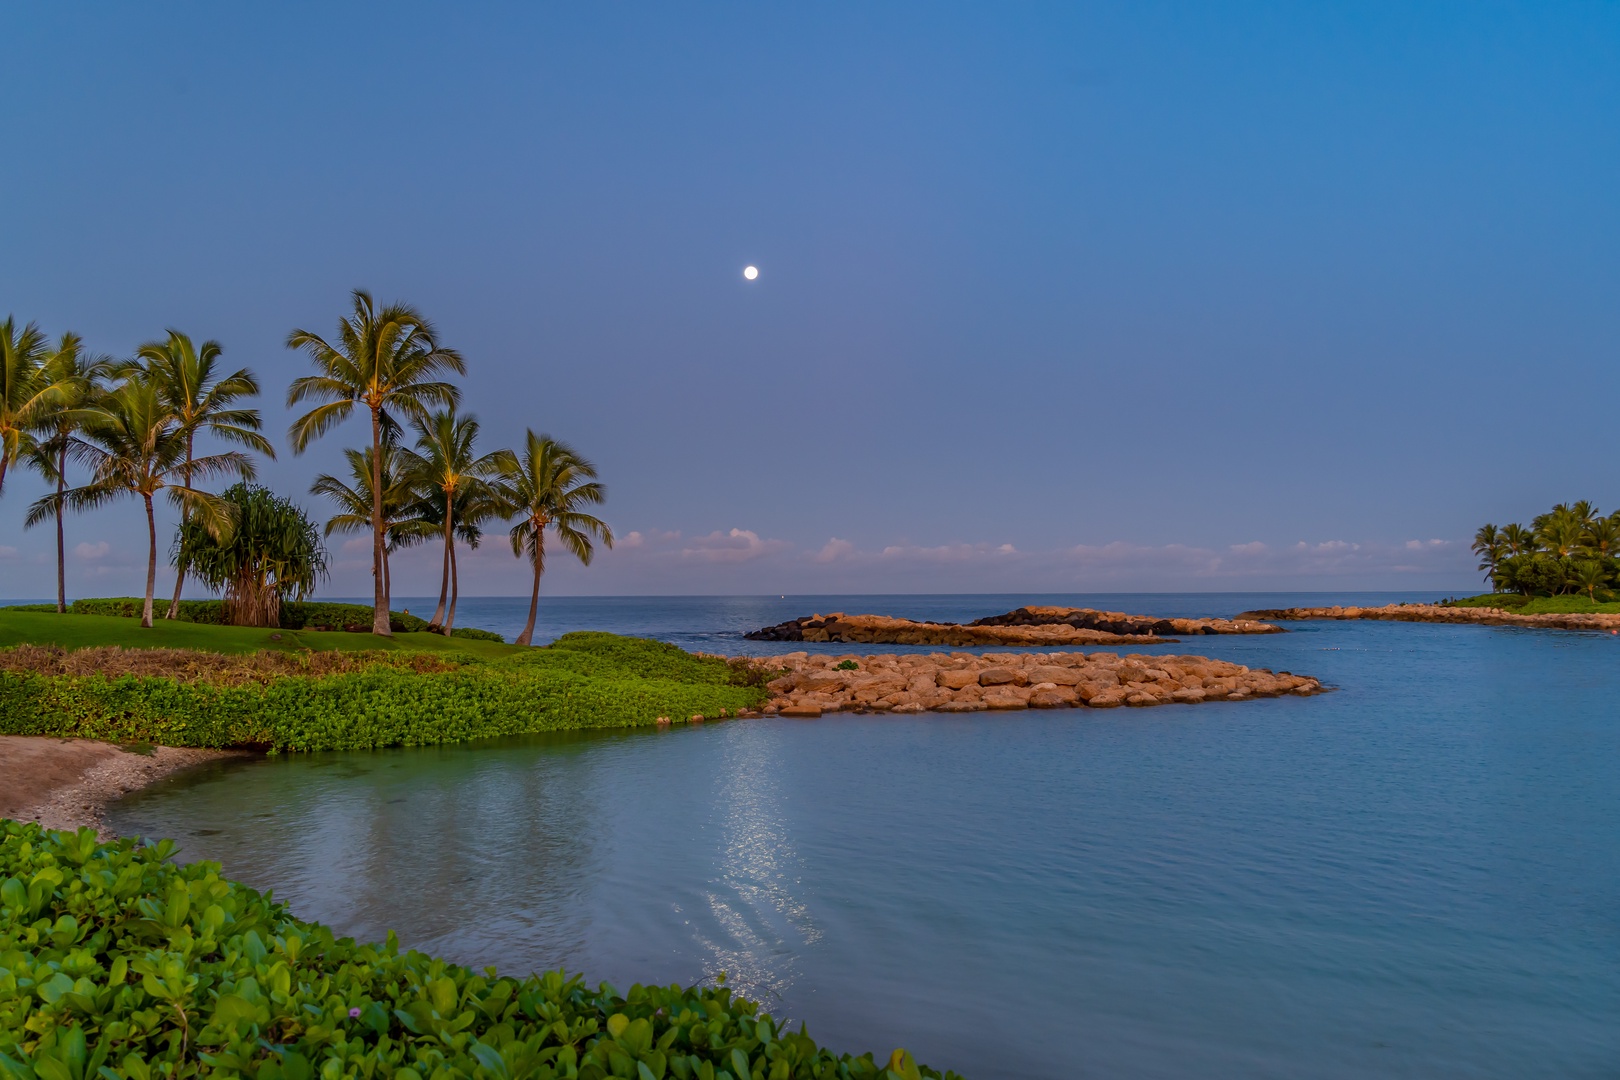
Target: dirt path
[[69, 783]]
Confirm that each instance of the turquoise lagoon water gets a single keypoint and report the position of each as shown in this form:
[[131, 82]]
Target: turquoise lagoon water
[[1417, 875]]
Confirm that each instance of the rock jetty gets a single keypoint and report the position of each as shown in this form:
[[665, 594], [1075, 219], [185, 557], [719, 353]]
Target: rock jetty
[[1435, 613], [965, 682], [1037, 626]]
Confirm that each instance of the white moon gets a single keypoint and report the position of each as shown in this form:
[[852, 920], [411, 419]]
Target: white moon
[[750, 272]]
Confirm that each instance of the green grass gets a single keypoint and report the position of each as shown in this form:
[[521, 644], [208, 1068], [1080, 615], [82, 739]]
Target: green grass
[[1541, 605], [32, 627]]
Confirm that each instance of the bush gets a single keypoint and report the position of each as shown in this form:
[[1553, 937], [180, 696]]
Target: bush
[[580, 681], [118, 964]]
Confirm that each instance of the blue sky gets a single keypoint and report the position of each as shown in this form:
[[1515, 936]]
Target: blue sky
[[1061, 297]]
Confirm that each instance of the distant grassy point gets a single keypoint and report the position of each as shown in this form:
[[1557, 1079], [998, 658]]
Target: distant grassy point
[[1566, 612], [1576, 604]]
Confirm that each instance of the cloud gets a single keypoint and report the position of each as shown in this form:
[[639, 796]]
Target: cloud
[[7, 552], [736, 546], [88, 551], [833, 550], [356, 544]]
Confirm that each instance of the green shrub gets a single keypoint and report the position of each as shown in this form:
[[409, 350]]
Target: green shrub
[[580, 681], [117, 964]]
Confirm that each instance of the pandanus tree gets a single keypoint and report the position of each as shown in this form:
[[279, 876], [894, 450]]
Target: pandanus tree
[[203, 401], [77, 374], [446, 469], [387, 361], [25, 391], [549, 486], [271, 554], [135, 446], [401, 526]]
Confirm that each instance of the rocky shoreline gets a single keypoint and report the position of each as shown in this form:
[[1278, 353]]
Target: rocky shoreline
[[1037, 626], [965, 682], [69, 783], [1434, 613]]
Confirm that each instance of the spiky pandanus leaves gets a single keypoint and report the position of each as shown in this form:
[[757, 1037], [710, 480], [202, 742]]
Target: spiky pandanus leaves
[[548, 485], [272, 554], [389, 363], [134, 446], [203, 402]]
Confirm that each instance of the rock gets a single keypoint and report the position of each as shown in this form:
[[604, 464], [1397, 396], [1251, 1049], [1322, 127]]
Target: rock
[[1059, 676], [804, 711], [1006, 697], [998, 676], [958, 678], [1049, 696], [1189, 695], [1107, 698]]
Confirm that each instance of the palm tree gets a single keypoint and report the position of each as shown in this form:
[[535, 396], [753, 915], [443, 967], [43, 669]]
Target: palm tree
[[443, 464], [78, 376], [201, 400], [401, 527], [136, 447], [1519, 540], [1603, 537], [547, 484], [1591, 574], [1490, 549], [24, 389], [388, 361]]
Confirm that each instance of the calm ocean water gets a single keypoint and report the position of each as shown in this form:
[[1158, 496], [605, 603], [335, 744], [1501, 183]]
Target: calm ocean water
[[1417, 875]]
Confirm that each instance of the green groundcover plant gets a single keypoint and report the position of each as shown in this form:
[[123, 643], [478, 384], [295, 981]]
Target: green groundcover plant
[[117, 964], [582, 680]]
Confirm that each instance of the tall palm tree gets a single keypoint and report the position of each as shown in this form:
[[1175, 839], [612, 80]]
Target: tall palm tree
[[136, 447], [443, 464], [400, 525], [24, 389], [202, 401], [390, 362], [78, 375], [1490, 549], [1519, 540], [1602, 537], [548, 483]]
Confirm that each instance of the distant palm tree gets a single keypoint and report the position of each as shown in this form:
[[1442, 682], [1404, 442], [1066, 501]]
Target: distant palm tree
[[1591, 575], [1602, 537], [1518, 540], [400, 527], [24, 390], [202, 401], [388, 361], [444, 465], [1489, 547], [78, 375], [548, 483], [136, 447]]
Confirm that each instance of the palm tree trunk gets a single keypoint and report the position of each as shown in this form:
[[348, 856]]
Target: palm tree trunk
[[61, 550], [455, 592], [444, 576], [527, 637], [185, 515], [379, 557], [5, 459], [151, 563]]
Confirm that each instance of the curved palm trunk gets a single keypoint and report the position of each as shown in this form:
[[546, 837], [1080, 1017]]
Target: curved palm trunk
[[444, 575], [5, 459], [527, 637], [379, 557], [185, 516], [61, 549], [455, 591], [151, 563]]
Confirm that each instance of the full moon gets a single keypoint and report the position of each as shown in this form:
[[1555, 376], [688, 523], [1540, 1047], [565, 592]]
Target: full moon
[[750, 272]]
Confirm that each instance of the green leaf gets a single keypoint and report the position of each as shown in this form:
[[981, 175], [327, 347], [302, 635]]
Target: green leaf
[[739, 1065]]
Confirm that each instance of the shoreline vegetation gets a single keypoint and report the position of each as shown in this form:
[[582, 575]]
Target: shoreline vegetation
[[215, 977], [1475, 610], [1030, 626]]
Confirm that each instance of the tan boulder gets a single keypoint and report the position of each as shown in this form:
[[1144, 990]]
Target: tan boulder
[[1000, 676], [1051, 696], [802, 711], [957, 678], [1107, 698], [1060, 676], [960, 706], [1190, 695]]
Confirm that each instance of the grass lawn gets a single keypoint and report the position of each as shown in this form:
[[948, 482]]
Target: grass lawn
[[84, 631], [1542, 605]]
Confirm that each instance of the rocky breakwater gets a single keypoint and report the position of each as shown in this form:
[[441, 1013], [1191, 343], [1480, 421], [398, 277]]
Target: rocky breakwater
[[1436, 613], [966, 682], [1037, 626]]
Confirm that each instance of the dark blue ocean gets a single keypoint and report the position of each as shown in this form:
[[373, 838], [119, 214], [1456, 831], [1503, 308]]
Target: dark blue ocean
[[1417, 875]]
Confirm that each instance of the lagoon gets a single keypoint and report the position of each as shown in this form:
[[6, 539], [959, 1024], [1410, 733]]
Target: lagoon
[[1415, 875]]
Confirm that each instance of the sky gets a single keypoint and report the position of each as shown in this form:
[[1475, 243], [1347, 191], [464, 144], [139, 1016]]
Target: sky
[[1068, 297]]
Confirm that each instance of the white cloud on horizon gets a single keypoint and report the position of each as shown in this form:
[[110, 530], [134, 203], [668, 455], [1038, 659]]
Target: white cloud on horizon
[[90, 552]]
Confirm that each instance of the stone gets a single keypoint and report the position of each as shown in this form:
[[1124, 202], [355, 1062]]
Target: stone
[[1189, 695], [802, 711], [998, 676], [1107, 698], [957, 678], [1049, 696], [1059, 676]]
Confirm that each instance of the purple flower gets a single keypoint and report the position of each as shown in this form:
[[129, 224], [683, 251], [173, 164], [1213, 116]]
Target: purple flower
[[354, 1014]]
